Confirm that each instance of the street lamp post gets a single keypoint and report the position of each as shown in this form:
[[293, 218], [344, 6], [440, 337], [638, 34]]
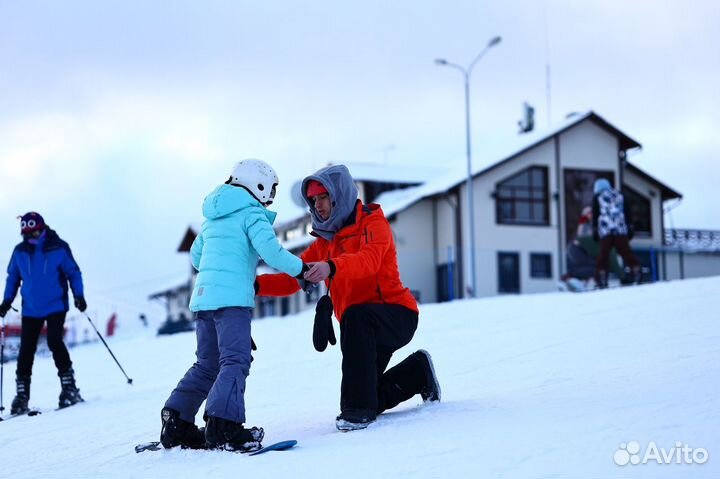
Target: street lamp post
[[471, 205]]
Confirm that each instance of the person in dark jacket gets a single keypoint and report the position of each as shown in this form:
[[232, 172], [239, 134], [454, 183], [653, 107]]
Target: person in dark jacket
[[44, 265], [611, 229], [355, 256]]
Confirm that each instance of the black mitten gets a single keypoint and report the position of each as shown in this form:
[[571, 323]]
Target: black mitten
[[322, 328], [331, 331], [4, 308], [80, 303]]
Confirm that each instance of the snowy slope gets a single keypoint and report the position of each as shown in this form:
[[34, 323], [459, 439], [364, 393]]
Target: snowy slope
[[533, 386]]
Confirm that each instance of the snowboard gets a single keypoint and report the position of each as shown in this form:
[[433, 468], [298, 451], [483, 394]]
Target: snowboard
[[278, 446]]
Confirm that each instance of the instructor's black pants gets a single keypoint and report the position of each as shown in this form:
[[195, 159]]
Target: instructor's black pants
[[369, 335], [31, 328]]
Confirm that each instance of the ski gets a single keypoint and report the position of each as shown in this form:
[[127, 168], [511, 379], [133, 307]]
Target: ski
[[31, 412], [278, 446], [148, 446], [35, 412], [68, 406]]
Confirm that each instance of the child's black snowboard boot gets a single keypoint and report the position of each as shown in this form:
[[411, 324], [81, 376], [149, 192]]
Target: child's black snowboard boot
[[232, 436], [178, 432]]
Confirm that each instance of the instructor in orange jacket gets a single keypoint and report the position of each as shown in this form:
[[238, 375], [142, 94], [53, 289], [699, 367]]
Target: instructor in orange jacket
[[354, 254]]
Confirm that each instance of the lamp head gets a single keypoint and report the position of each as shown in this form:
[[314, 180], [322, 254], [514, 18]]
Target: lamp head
[[440, 61], [494, 41]]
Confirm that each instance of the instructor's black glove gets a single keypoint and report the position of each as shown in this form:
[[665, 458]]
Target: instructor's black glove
[[305, 285], [4, 308], [305, 269], [596, 237], [323, 331], [80, 304]]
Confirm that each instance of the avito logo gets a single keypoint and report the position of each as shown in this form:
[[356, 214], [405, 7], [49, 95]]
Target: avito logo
[[630, 453]]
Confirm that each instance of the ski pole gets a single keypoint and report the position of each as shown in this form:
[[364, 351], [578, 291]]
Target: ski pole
[[2, 362], [2, 359], [108, 348]]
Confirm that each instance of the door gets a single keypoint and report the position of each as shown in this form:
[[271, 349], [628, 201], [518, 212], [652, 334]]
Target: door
[[508, 272]]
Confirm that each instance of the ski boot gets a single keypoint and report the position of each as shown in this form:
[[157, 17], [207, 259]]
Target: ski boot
[[178, 432], [20, 402], [69, 393], [232, 436], [637, 275], [601, 279], [354, 419]]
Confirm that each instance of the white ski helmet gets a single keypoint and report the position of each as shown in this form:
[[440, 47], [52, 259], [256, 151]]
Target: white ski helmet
[[257, 177]]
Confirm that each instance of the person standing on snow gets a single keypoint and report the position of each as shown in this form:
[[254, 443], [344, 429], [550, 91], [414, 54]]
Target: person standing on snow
[[237, 232], [44, 265], [354, 254], [611, 229]]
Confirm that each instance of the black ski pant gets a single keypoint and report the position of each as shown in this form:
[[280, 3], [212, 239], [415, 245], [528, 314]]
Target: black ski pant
[[369, 335], [622, 244], [31, 328]]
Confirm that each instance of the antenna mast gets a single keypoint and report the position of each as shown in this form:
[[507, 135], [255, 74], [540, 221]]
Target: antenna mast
[[548, 107]]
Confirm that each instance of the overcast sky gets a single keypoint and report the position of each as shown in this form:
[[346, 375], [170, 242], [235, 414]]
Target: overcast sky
[[118, 117]]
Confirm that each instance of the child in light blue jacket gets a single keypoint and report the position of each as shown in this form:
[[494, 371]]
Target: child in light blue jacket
[[237, 232]]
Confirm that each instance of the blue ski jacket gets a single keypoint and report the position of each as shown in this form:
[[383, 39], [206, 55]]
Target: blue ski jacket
[[237, 232], [44, 270]]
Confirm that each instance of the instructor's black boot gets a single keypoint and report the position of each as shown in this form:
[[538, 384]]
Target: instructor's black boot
[[20, 403], [430, 391], [413, 375], [69, 394], [178, 432], [232, 436], [354, 419]]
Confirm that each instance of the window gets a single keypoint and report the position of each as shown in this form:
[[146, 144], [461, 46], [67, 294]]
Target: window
[[639, 212], [523, 199], [293, 233], [508, 273], [267, 307], [540, 265], [284, 306]]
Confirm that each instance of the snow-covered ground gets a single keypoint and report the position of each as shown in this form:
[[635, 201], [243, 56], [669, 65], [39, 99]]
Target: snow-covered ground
[[533, 386]]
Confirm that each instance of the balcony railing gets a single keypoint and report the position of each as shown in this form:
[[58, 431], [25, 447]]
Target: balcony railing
[[694, 240]]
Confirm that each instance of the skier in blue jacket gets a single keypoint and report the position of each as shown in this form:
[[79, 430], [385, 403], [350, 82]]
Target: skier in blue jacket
[[44, 265], [236, 233]]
